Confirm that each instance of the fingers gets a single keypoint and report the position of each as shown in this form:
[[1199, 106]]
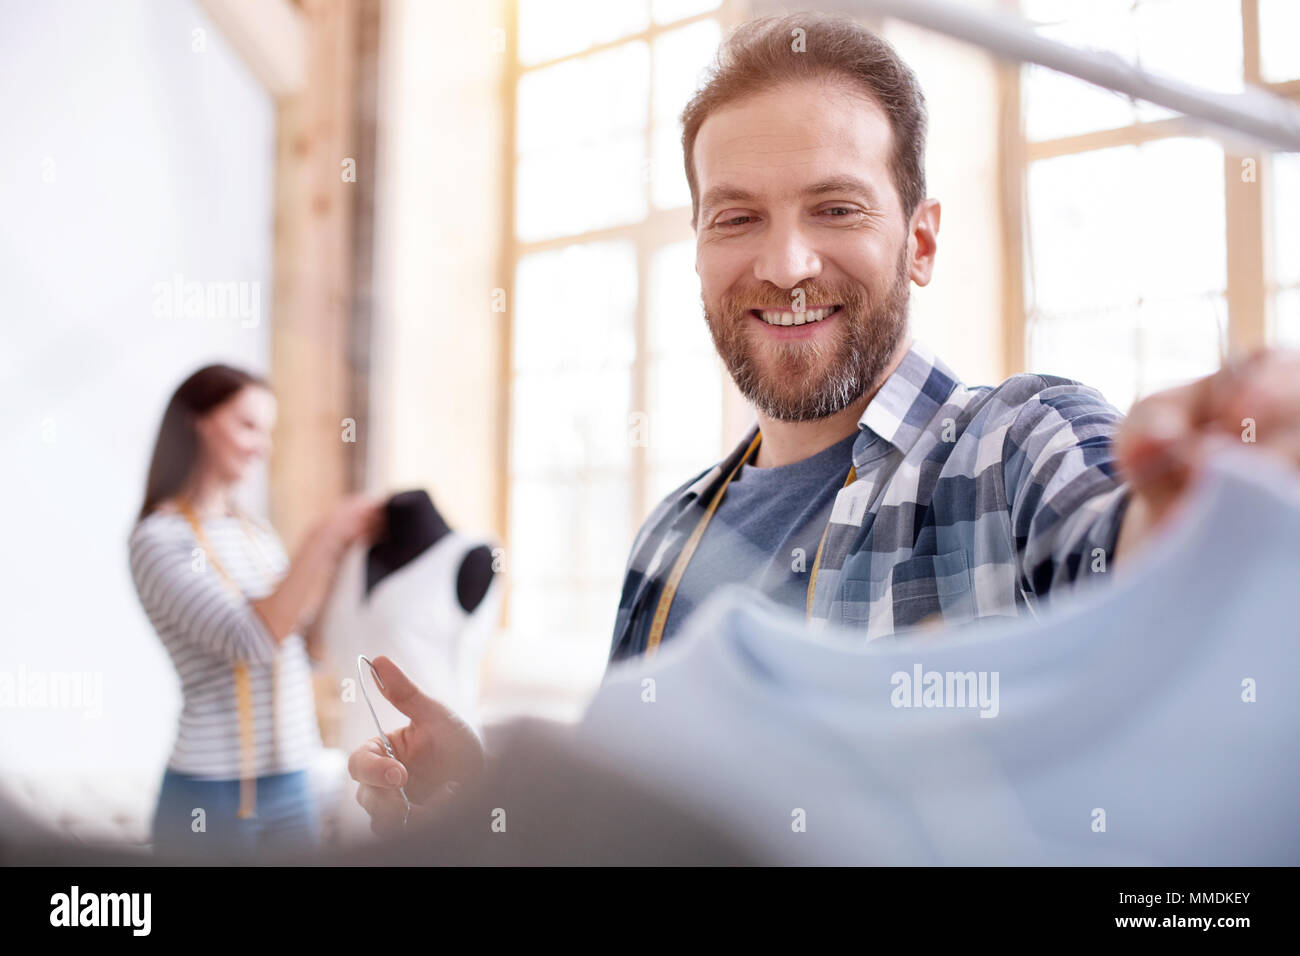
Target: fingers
[[1155, 435], [388, 811], [370, 765], [404, 695], [386, 808]]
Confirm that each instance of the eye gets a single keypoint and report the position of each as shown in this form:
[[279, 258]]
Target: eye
[[840, 212], [734, 221]]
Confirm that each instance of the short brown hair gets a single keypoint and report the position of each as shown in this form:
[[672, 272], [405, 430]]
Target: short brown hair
[[760, 54]]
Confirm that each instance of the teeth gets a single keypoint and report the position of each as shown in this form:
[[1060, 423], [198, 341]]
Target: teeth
[[794, 318]]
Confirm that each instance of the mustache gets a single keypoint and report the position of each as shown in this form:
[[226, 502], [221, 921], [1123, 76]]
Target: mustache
[[773, 299]]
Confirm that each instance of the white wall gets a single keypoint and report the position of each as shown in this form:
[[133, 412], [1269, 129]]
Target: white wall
[[129, 156]]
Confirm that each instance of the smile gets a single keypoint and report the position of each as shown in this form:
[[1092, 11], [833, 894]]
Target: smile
[[807, 316]]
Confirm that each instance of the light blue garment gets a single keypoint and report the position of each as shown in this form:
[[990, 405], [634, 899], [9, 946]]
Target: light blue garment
[[1128, 699]]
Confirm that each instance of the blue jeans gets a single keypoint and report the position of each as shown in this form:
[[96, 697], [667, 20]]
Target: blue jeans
[[286, 817]]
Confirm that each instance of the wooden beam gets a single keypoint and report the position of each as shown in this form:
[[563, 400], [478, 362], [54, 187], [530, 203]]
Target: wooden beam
[[270, 36], [365, 137], [1244, 194], [313, 273], [1133, 135]]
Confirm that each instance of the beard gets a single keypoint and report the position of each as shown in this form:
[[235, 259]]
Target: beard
[[803, 380]]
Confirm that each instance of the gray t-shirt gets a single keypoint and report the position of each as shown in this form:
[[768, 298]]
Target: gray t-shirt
[[765, 532]]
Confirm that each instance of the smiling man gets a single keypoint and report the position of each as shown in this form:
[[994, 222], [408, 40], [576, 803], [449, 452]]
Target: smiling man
[[877, 491]]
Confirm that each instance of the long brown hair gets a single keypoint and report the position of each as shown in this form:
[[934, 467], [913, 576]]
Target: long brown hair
[[177, 448]]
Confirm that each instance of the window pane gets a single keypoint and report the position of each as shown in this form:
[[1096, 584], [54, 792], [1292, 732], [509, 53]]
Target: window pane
[[584, 101], [581, 137], [571, 456], [1279, 40], [684, 374], [1286, 250], [583, 188], [666, 11], [575, 307], [1128, 257], [573, 421], [685, 412], [571, 533], [1286, 314], [676, 313], [680, 57], [569, 545], [1286, 224], [1198, 41], [1112, 225], [1194, 40], [555, 28], [1130, 351], [669, 189], [1058, 105], [684, 379]]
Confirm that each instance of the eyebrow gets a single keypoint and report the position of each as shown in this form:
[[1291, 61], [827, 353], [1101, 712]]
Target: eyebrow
[[719, 195]]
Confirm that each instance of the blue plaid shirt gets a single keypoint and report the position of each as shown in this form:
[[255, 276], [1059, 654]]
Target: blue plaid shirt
[[970, 503]]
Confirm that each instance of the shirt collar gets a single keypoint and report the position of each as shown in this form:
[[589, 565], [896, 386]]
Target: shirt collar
[[907, 401]]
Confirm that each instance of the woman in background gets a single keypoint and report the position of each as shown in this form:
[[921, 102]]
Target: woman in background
[[229, 607]]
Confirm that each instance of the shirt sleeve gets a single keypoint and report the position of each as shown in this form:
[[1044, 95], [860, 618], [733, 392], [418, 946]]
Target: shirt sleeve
[[197, 606], [1063, 488], [648, 537]]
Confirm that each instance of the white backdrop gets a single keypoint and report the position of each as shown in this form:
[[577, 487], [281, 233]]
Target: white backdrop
[[137, 147]]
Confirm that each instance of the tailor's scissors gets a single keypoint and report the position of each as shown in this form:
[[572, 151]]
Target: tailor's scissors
[[382, 736]]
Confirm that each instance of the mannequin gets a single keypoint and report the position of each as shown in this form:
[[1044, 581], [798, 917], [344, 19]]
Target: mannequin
[[423, 595]]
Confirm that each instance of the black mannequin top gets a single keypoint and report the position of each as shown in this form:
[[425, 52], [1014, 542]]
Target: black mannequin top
[[412, 525]]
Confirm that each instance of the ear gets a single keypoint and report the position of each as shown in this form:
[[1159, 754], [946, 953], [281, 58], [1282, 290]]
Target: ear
[[923, 241]]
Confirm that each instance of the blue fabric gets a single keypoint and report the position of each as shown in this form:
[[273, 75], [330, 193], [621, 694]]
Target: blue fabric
[[1150, 720], [286, 816], [765, 532]]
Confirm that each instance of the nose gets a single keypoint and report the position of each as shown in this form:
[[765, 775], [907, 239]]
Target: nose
[[786, 258]]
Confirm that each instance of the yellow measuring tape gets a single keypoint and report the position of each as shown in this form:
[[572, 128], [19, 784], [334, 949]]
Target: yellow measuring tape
[[660, 619], [243, 682]]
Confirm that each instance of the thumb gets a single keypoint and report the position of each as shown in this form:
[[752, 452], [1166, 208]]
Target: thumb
[[1154, 437], [401, 692]]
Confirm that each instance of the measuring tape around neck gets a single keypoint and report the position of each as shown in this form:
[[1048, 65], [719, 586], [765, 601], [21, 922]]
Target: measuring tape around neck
[[660, 619], [243, 681]]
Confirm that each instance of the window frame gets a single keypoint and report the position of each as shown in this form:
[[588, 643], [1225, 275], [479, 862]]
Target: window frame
[[1252, 284], [659, 228]]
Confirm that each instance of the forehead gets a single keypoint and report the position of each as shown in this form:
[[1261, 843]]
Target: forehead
[[252, 399], [776, 143]]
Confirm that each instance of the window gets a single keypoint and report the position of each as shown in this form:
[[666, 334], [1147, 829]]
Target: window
[[1130, 281], [616, 393], [1286, 250]]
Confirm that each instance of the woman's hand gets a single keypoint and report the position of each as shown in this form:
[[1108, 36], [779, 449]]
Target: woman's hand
[[356, 518], [437, 752], [302, 591]]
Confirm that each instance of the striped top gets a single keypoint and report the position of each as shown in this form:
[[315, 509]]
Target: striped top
[[205, 628]]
